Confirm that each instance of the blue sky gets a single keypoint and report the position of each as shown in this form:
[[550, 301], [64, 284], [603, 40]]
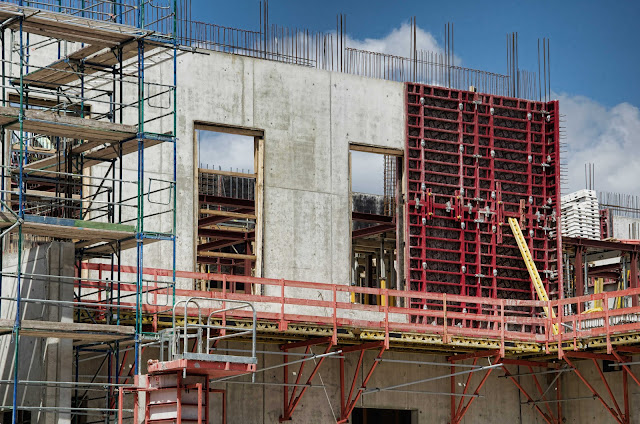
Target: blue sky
[[594, 58], [593, 43]]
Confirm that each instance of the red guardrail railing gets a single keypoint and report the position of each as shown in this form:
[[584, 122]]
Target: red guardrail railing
[[330, 305]]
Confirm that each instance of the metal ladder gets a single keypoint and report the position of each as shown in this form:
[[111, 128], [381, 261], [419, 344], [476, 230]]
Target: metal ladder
[[531, 267]]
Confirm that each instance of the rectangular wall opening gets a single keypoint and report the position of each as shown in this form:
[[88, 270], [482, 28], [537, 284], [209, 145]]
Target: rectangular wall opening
[[228, 164], [375, 176], [382, 416]]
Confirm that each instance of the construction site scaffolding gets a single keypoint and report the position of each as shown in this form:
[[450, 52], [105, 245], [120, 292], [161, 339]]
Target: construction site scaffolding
[[75, 131]]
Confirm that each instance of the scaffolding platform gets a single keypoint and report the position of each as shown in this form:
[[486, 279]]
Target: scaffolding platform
[[69, 330], [106, 248], [70, 229], [224, 366], [68, 27], [52, 124], [103, 152], [93, 58]]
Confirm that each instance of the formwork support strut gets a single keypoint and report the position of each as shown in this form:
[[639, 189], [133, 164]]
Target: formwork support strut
[[349, 402], [547, 416], [292, 401], [458, 411], [615, 411]]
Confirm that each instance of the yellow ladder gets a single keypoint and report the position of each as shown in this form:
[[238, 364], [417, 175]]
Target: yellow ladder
[[531, 266]]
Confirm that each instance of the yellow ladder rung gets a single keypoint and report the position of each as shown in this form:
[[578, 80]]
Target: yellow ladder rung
[[531, 267]]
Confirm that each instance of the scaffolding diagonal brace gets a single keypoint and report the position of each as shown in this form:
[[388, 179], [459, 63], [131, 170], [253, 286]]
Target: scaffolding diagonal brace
[[458, 413]]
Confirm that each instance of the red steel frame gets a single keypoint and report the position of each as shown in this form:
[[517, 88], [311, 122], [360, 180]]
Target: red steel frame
[[203, 391], [620, 416], [349, 402], [501, 327], [549, 414], [472, 161], [291, 402], [458, 412]]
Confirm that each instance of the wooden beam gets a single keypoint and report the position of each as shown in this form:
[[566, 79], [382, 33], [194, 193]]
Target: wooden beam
[[218, 244], [228, 129], [226, 235], [70, 330], [228, 214], [226, 255], [226, 173], [375, 149], [370, 217], [221, 261], [225, 201]]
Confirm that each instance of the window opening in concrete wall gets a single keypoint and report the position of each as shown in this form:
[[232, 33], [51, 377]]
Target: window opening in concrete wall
[[227, 173], [382, 416], [374, 179]]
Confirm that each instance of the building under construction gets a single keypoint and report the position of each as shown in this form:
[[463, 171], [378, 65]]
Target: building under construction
[[143, 283]]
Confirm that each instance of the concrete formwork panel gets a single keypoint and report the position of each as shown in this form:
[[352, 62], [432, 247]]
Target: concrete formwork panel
[[473, 160]]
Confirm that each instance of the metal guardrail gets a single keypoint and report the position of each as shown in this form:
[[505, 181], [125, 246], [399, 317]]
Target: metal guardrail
[[178, 337], [496, 322]]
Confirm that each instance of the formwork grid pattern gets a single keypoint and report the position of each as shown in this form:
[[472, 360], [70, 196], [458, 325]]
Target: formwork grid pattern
[[472, 161], [54, 139]]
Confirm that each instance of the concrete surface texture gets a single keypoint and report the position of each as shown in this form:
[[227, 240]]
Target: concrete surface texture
[[625, 228], [48, 359], [499, 401], [309, 118]]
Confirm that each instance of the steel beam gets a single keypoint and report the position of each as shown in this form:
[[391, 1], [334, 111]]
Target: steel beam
[[372, 230], [546, 417]]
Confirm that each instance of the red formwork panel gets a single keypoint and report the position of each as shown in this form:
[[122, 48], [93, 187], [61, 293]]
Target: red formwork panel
[[474, 160]]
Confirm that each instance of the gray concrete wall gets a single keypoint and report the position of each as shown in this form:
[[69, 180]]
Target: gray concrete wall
[[499, 401], [40, 359], [626, 228], [592, 410], [309, 117]]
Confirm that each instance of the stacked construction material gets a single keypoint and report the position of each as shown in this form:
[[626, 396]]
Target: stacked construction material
[[580, 215]]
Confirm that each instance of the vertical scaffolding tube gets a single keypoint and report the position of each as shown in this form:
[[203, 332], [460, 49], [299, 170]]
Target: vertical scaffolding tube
[[140, 219], [140, 203], [16, 326]]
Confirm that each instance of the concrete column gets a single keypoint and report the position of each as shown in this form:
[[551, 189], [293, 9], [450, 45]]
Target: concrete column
[[58, 353], [41, 359]]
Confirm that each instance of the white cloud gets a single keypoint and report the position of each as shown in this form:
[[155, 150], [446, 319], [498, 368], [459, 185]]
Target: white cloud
[[607, 137], [225, 151], [398, 42]]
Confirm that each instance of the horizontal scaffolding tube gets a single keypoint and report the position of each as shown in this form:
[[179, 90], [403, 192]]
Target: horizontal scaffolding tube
[[411, 383]]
